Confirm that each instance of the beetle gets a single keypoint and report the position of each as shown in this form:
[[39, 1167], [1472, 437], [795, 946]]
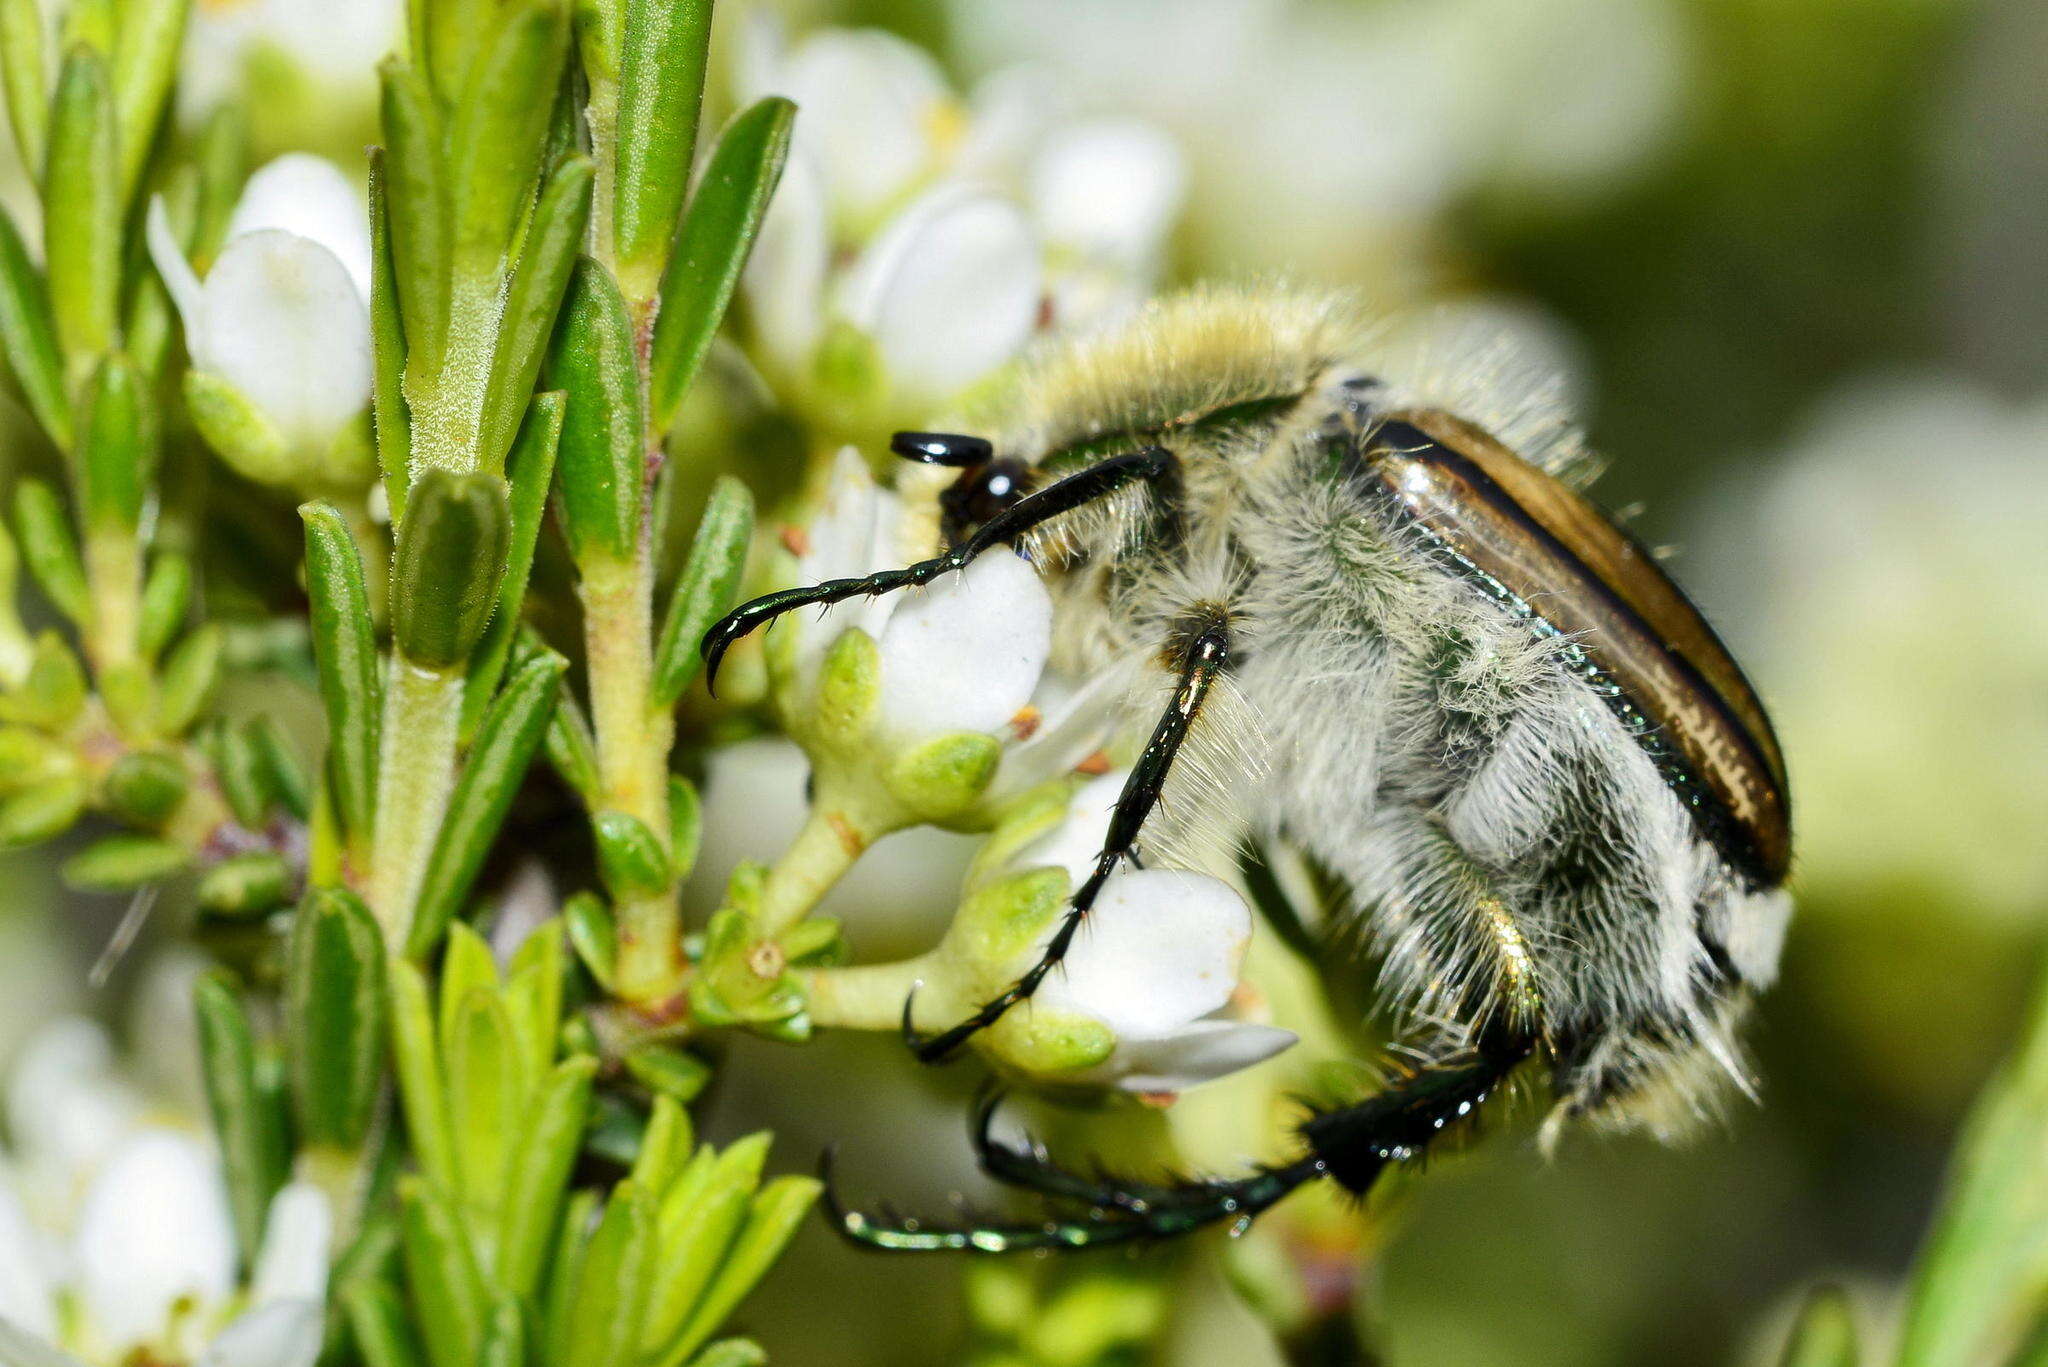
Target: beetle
[[1365, 575]]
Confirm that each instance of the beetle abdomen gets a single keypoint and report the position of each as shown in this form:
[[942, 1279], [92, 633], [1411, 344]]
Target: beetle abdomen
[[1549, 555]]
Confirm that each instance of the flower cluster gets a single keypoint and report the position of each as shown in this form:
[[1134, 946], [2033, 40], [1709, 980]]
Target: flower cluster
[[116, 1239], [920, 240]]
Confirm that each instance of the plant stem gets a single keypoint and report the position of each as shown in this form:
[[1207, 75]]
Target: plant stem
[[818, 858], [422, 715], [866, 996]]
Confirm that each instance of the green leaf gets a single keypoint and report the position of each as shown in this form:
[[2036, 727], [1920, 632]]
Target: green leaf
[[685, 826], [772, 1218], [28, 332], [145, 62], [505, 745], [166, 594], [629, 856], [589, 922], [611, 1291], [246, 1118], [712, 244], [119, 863], [700, 1216], [707, 589], [452, 553], [665, 1145], [144, 787], [601, 466], [533, 992], [565, 1271], [50, 550], [283, 776], [345, 656], [221, 156], [468, 966], [448, 1295], [541, 1164], [532, 299], [190, 674], [488, 1094], [1975, 1288], [731, 1353], [23, 71], [416, 1056], [1824, 1334], [116, 460], [82, 212], [501, 123], [54, 693], [377, 1317], [42, 811], [661, 84], [336, 1001], [572, 751], [416, 202], [530, 473], [244, 885], [392, 422], [668, 1072], [238, 769]]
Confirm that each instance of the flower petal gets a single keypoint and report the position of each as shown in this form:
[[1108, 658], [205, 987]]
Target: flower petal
[[65, 1108], [281, 1334], [1076, 843], [154, 1230], [309, 196], [1109, 188], [965, 653], [949, 291], [283, 324], [1076, 722], [1161, 949], [1193, 1054], [25, 1300], [292, 1264], [854, 534], [872, 112]]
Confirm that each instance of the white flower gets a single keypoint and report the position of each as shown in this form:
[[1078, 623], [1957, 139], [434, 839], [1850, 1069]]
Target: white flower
[[882, 106], [963, 653], [948, 291], [144, 1266], [281, 324], [946, 234], [1157, 961], [154, 1232]]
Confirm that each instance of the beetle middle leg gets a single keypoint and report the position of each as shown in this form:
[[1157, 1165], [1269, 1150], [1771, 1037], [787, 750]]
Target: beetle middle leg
[[1202, 652]]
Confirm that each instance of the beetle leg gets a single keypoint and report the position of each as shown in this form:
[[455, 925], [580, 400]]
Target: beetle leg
[[1203, 657], [1083, 487]]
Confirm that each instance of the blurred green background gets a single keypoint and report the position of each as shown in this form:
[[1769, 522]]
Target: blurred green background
[[1795, 254]]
